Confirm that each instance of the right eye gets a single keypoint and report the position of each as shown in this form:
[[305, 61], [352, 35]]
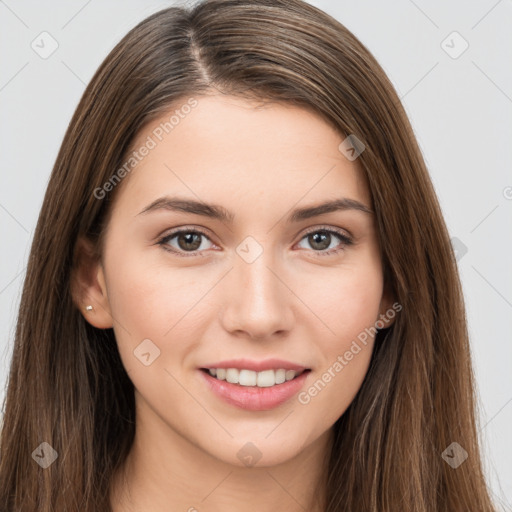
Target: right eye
[[188, 242]]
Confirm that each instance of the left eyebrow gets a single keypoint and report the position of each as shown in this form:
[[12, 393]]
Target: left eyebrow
[[328, 207], [218, 212]]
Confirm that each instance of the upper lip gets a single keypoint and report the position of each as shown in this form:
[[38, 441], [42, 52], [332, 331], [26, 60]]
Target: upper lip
[[257, 366]]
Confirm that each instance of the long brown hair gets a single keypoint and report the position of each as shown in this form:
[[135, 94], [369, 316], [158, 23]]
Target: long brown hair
[[67, 385]]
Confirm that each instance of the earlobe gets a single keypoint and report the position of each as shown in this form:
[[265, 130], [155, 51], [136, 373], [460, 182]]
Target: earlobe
[[88, 286]]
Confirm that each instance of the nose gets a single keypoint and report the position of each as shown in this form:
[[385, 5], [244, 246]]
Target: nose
[[259, 303]]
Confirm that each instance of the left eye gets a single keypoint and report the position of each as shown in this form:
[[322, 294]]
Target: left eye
[[322, 238]]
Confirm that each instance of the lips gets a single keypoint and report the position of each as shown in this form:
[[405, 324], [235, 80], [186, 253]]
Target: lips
[[245, 372], [255, 385]]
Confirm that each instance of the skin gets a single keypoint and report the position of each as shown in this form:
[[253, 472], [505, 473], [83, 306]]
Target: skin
[[292, 302]]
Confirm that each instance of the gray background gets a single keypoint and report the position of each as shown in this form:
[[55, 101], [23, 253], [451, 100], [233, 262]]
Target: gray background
[[460, 107]]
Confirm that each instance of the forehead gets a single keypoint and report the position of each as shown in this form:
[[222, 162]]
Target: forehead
[[230, 150]]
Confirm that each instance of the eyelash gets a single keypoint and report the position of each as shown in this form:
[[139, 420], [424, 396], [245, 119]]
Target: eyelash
[[346, 241]]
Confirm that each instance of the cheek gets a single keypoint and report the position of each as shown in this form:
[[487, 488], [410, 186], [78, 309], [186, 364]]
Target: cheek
[[150, 299], [350, 308], [348, 301], [153, 301]]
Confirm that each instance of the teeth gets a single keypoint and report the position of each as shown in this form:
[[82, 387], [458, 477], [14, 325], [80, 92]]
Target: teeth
[[247, 378], [289, 375], [232, 375], [264, 379], [280, 376]]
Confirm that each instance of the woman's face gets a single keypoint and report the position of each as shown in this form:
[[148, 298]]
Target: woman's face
[[259, 282]]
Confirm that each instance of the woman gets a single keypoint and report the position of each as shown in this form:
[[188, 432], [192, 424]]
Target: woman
[[241, 292]]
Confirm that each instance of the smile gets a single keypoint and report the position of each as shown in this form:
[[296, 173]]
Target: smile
[[254, 391], [244, 377]]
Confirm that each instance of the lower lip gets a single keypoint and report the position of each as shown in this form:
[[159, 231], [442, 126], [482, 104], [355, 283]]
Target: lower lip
[[253, 398]]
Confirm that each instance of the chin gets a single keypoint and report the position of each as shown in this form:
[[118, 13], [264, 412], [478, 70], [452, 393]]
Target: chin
[[260, 452]]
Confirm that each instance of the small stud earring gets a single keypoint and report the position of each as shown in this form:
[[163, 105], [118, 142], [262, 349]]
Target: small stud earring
[[89, 308]]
